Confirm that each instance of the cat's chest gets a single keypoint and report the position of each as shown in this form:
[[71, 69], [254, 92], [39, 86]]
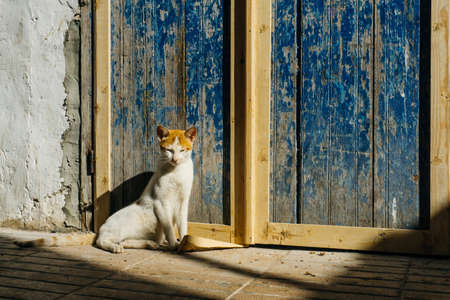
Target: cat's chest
[[177, 180]]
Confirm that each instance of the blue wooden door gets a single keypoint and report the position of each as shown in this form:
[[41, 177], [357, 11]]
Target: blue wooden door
[[169, 67], [348, 114]]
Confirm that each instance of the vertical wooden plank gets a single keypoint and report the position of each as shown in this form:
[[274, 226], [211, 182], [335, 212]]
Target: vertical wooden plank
[[194, 61], [364, 115], [128, 94], [380, 114], [257, 129], [343, 104], [135, 135], [440, 127], [315, 112], [117, 117], [283, 202], [411, 203], [165, 25], [86, 113], [102, 112], [206, 107], [213, 110], [397, 114]]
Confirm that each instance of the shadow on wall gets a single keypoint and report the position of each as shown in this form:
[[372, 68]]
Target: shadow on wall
[[128, 191], [256, 272]]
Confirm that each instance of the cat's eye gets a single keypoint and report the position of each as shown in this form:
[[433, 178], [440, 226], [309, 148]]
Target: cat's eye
[[167, 150], [182, 150]]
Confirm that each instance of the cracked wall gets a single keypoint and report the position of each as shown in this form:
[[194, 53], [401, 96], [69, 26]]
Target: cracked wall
[[39, 114]]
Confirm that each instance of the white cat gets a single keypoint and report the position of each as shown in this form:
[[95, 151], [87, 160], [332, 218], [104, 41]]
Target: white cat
[[164, 203]]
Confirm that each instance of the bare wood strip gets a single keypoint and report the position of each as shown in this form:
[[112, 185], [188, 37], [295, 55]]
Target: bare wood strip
[[196, 243], [342, 237], [259, 20], [102, 112], [212, 231], [440, 128]]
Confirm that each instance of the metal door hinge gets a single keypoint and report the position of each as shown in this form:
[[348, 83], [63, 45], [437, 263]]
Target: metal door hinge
[[90, 162]]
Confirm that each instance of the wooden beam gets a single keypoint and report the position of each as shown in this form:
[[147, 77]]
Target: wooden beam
[[354, 238], [257, 129], [217, 232], [102, 112], [234, 167], [249, 182], [440, 127], [196, 243]]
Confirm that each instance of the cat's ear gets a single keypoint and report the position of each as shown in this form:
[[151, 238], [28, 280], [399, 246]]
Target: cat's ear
[[191, 133], [162, 132]]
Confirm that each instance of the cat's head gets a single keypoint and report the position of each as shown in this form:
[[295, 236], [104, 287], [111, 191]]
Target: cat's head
[[176, 145]]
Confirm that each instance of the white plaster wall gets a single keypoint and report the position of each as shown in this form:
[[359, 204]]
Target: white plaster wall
[[32, 112]]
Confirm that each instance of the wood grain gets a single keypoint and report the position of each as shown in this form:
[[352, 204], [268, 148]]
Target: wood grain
[[440, 127], [397, 98], [344, 237], [102, 112]]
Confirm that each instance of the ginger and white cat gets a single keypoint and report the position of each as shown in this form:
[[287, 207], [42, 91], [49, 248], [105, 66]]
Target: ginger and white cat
[[151, 218]]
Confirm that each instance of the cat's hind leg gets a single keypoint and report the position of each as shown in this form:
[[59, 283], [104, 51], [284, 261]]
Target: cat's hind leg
[[140, 244], [109, 245]]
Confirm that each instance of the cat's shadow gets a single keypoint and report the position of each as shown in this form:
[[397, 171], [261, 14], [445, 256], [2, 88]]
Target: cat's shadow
[[128, 191]]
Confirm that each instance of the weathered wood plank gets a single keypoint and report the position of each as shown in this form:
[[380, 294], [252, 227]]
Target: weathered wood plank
[[135, 129], [315, 112], [397, 101], [214, 106], [364, 115], [283, 202], [194, 27], [344, 99], [117, 116], [128, 99]]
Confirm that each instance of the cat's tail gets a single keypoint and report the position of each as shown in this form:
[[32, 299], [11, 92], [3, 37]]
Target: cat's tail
[[69, 239]]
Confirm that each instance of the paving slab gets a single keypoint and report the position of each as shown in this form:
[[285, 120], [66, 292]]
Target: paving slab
[[86, 272]]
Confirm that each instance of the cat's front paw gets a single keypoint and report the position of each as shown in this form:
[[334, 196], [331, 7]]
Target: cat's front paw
[[173, 247], [117, 248]]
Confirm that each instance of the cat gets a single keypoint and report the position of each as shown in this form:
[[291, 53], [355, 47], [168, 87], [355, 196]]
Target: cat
[[150, 220]]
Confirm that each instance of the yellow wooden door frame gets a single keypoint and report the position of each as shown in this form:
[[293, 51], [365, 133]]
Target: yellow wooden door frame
[[258, 228], [251, 27], [102, 128]]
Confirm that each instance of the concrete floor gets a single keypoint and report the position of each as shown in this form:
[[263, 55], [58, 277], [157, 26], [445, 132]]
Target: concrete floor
[[85, 272]]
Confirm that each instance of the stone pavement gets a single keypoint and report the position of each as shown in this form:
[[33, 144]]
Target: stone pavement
[[85, 272]]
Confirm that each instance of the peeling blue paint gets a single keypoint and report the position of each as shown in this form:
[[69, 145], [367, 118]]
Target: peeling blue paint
[[167, 68], [345, 125]]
